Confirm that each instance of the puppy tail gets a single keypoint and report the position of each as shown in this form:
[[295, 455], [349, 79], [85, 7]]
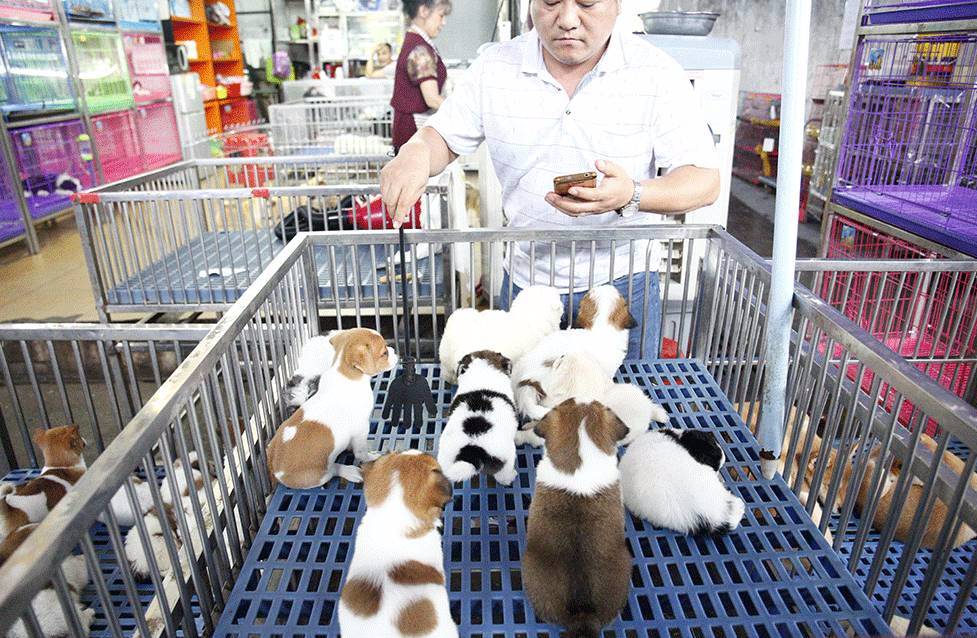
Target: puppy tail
[[736, 509], [479, 459], [730, 521], [583, 626]]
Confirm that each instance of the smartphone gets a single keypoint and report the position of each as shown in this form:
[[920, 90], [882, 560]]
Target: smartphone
[[563, 183]]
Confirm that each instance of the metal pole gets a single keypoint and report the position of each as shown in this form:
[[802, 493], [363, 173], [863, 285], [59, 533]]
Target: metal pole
[[7, 153], [796, 39]]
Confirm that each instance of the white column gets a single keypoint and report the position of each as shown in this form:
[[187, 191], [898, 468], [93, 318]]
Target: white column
[[796, 40]]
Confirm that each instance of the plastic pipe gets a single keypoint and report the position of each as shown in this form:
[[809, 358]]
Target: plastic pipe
[[770, 433]]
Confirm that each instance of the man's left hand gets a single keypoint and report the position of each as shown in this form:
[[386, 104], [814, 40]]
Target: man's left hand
[[613, 192]]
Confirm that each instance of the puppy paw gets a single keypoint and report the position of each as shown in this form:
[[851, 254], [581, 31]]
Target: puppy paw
[[658, 414], [505, 477], [349, 472], [528, 436]]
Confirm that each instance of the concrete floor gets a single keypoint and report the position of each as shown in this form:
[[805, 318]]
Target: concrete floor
[[54, 284]]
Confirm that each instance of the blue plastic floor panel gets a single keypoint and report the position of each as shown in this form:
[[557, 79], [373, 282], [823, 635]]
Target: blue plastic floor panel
[[773, 576], [951, 581], [112, 575], [217, 267]]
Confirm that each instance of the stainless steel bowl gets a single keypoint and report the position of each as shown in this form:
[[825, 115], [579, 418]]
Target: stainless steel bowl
[[679, 22]]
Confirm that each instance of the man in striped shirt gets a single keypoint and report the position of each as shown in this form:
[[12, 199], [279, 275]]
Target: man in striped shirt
[[571, 95]]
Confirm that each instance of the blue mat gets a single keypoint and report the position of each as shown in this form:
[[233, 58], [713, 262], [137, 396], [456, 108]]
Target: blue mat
[[217, 267], [773, 576], [114, 582]]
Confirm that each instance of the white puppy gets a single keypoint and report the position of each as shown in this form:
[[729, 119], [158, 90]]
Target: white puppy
[[482, 422], [671, 478], [535, 313], [602, 329], [579, 376], [47, 605], [317, 356]]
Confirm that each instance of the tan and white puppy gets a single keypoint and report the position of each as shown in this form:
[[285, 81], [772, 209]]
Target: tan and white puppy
[[603, 322], [577, 566], [303, 452], [906, 511], [395, 584], [535, 313], [64, 464]]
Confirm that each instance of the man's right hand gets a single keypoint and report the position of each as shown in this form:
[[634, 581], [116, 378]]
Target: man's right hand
[[403, 179]]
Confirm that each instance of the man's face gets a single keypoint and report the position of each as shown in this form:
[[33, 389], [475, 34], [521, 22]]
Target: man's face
[[574, 31]]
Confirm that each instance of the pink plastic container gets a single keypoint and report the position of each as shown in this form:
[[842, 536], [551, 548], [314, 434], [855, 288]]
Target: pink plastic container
[[37, 10], [118, 145], [53, 161], [160, 137], [148, 71]]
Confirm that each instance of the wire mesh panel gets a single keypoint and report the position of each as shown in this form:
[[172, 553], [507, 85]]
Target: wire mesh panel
[[349, 126], [158, 135], [909, 152], [879, 12], [118, 146], [103, 69], [36, 77]]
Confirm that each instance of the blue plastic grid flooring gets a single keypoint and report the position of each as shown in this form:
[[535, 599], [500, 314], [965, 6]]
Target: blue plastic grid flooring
[[112, 575], [217, 267], [773, 576]]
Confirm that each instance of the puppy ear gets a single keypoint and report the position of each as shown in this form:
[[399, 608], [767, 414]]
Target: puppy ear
[[630, 322], [39, 436], [618, 430], [507, 364], [463, 364]]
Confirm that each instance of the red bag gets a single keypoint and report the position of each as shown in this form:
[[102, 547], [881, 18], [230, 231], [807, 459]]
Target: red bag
[[371, 215]]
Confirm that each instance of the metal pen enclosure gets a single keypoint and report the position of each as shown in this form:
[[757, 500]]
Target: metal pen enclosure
[[224, 403]]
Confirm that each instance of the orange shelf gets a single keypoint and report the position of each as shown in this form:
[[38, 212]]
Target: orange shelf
[[222, 60], [184, 20]]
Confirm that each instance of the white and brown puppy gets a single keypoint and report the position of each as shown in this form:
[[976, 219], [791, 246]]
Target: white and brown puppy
[[47, 606], [395, 584], [579, 376], [671, 478], [64, 464], [318, 355], [482, 422], [303, 452], [577, 566], [603, 322], [535, 313]]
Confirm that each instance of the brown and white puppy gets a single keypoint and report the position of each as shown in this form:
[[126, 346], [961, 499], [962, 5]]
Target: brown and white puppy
[[64, 464], [602, 329], [907, 510], [395, 585], [577, 566], [303, 452]]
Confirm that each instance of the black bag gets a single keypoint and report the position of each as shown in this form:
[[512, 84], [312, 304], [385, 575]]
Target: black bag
[[311, 219]]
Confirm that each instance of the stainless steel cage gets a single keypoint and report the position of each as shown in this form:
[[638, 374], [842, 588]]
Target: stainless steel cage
[[349, 125], [224, 403]]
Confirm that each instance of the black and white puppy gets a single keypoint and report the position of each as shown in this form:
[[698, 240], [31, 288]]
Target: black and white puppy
[[671, 478], [317, 356], [482, 422]]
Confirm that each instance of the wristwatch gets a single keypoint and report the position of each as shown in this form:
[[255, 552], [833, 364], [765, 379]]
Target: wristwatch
[[634, 204]]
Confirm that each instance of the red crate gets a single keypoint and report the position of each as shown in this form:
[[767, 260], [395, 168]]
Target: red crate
[[156, 125], [117, 144]]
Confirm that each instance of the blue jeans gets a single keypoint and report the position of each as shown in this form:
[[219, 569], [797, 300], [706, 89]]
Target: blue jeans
[[646, 314]]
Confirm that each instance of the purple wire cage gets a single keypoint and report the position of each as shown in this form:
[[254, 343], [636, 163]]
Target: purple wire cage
[[905, 11], [54, 162], [11, 222], [909, 151]]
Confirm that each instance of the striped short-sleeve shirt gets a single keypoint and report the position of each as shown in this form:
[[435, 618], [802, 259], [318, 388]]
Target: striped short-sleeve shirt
[[636, 108]]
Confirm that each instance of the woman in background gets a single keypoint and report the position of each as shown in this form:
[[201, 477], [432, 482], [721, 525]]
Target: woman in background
[[380, 65], [421, 73]]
